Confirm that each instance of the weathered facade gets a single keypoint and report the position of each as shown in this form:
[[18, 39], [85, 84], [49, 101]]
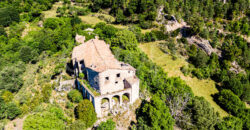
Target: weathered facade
[[114, 81]]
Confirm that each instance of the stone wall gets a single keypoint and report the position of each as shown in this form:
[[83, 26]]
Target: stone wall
[[113, 80]]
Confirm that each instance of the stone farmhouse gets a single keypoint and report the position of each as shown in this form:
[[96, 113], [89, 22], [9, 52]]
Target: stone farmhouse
[[112, 83]]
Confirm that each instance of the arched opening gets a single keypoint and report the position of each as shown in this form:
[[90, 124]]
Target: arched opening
[[105, 106], [126, 98], [116, 100]]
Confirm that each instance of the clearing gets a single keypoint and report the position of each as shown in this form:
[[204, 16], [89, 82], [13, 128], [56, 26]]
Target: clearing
[[204, 88]]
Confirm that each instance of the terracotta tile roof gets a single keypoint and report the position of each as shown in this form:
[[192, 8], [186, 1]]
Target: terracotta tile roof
[[97, 56]]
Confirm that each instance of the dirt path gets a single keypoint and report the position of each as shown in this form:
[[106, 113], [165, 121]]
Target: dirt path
[[16, 124]]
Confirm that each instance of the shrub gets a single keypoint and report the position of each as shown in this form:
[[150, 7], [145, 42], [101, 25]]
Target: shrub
[[27, 54], [69, 105], [78, 125], [43, 120], [185, 70], [11, 77], [49, 118], [9, 110], [85, 111], [7, 96], [75, 96], [81, 75], [154, 115], [46, 92], [200, 59], [203, 115], [229, 101], [51, 23], [8, 15], [230, 123], [125, 39], [108, 125], [2, 31]]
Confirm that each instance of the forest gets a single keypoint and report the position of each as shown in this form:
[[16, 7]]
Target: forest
[[34, 57]]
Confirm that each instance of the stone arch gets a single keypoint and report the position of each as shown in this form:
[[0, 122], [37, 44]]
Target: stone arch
[[105, 106], [115, 100], [126, 98]]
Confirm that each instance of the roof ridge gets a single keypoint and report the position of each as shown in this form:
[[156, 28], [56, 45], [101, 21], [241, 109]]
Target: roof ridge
[[99, 54]]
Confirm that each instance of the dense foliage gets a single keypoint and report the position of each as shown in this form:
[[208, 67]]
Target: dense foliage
[[8, 110], [228, 100], [75, 96], [201, 112], [51, 118], [230, 123], [86, 112], [107, 125], [154, 115]]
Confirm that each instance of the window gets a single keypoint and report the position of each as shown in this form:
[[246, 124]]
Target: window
[[116, 82], [118, 75], [107, 78]]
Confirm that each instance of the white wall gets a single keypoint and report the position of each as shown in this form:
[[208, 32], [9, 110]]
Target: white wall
[[113, 83]]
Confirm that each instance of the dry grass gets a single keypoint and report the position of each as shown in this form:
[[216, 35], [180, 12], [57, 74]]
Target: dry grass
[[204, 88], [93, 19], [52, 12], [89, 19]]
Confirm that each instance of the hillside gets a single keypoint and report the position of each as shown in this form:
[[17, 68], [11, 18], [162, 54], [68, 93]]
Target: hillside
[[192, 60]]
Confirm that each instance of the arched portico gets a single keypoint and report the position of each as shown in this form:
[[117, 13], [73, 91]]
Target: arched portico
[[126, 98]]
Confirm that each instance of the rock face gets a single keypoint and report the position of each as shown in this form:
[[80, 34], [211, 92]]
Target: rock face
[[80, 39], [236, 68], [170, 24], [203, 44]]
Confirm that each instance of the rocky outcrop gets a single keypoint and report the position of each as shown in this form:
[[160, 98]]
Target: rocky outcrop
[[235, 67], [170, 24], [203, 44]]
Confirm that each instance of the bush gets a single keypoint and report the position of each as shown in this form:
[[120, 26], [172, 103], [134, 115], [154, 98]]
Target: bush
[[43, 120], [75, 96], [46, 92], [8, 15], [51, 23], [230, 123], [78, 125], [229, 101], [154, 115], [125, 39], [9, 110], [81, 75], [27, 54], [203, 114], [185, 70], [2, 31], [200, 59], [108, 125], [69, 105], [85, 111], [7, 96], [11, 77], [51, 117]]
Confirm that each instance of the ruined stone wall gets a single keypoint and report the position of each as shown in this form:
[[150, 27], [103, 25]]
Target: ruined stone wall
[[112, 80]]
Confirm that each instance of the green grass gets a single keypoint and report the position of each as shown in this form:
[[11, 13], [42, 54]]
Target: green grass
[[52, 12], [204, 88]]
